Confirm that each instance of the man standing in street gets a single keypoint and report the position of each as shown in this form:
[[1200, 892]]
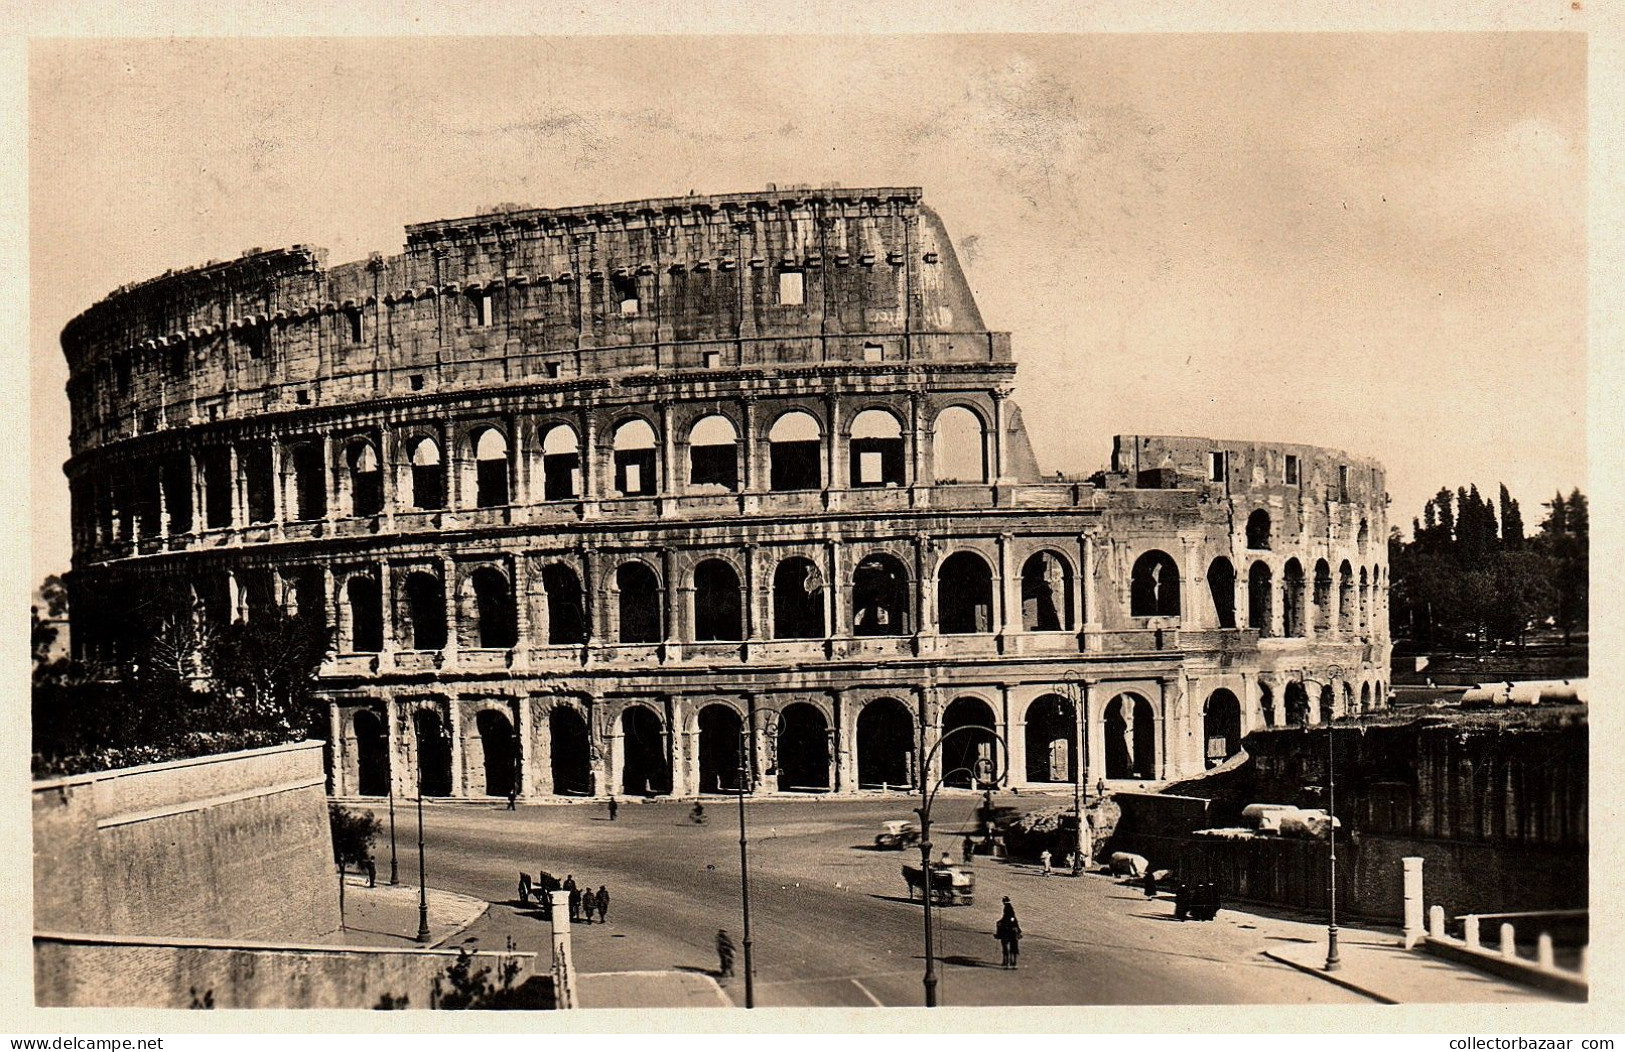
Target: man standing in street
[[614, 808], [575, 896], [725, 955], [603, 904], [1043, 859]]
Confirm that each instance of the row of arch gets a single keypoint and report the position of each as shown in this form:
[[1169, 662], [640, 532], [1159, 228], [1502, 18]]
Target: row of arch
[[1258, 532], [800, 755]]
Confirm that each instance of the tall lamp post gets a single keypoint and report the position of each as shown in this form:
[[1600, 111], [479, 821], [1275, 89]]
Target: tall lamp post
[[394, 874], [770, 726], [928, 795], [423, 890], [1071, 689], [1333, 674]]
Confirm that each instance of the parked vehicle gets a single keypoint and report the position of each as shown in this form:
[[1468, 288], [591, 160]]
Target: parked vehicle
[[950, 885], [897, 835]]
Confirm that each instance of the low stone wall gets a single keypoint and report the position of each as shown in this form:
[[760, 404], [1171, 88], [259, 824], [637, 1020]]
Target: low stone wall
[[72, 970], [229, 846]]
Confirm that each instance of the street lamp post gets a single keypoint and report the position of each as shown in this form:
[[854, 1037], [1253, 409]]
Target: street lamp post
[[770, 726], [394, 875], [928, 793], [423, 889], [1070, 688], [1332, 962]]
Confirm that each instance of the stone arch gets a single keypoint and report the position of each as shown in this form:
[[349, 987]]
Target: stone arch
[[1260, 597], [489, 448], [713, 453], [1131, 737], [1323, 596], [571, 749], [366, 478], [645, 767], [371, 753], [1364, 536], [1348, 699], [1292, 588], [959, 445], [499, 750], [635, 457], [1258, 530], [1266, 705], [366, 610], [1221, 586], [1046, 593], [496, 625], [1365, 600], [428, 473], [1221, 727], [1154, 586], [1345, 597], [964, 595], [798, 599], [803, 748], [1296, 704], [425, 610], [721, 733], [795, 451], [1052, 740], [1327, 703], [972, 756], [638, 604], [433, 748], [876, 449], [1365, 697], [718, 605], [886, 741], [880, 596], [566, 613], [561, 463], [306, 471]]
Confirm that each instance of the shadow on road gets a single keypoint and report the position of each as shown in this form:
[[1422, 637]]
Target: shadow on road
[[962, 961]]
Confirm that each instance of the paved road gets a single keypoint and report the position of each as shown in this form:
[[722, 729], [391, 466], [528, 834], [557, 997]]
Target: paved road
[[829, 914]]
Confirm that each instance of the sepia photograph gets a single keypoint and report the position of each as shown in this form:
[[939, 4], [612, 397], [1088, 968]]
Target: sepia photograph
[[950, 519]]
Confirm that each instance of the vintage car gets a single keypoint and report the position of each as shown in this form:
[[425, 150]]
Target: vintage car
[[894, 836]]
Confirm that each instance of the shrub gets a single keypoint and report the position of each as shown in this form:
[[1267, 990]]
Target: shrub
[[353, 834]]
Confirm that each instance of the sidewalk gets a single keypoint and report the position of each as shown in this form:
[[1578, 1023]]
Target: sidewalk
[[678, 989], [1376, 965], [388, 916]]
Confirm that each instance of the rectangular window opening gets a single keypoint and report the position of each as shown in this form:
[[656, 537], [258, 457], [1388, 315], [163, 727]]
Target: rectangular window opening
[[1291, 470], [713, 359], [873, 352], [791, 289], [1216, 466]]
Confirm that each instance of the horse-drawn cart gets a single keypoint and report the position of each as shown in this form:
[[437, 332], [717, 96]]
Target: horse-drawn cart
[[950, 885]]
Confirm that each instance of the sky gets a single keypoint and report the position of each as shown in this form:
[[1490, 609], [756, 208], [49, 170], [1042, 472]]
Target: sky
[[1370, 242]]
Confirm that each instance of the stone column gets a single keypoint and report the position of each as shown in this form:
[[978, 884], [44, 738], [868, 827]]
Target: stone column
[[399, 764], [525, 725], [448, 588], [589, 595], [564, 973], [330, 478], [340, 747], [916, 444], [1189, 596], [389, 485], [836, 478], [589, 463], [1015, 753], [753, 619], [1009, 612], [239, 509], [386, 615], [1093, 745], [838, 601], [1162, 729], [671, 638], [843, 734], [925, 624], [747, 480], [1091, 601], [998, 465], [682, 777], [1413, 901], [668, 489], [200, 514], [279, 495]]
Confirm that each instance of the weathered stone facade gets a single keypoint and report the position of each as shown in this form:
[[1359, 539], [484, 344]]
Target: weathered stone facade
[[741, 467]]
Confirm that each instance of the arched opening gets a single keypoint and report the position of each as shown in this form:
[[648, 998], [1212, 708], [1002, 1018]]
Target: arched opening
[[428, 475], [971, 758], [713, 454], [1046, 593], [795, 452], [964, 595], [798, 600], [309, 487], [572, 752], [1258, 530], [1345, 597], [1323, 596], [561, 464], [500, 748], [877, 449], [497, 626], [1328, 703], [1221, 585], [1154, 586], [1365, 608], [1221, 727], [366, 615], [426, 611], [1365, 697], [959, 448], [880, 603], [1364, 536], [1297, 705], [1131, 737], [717, 606], [635, 474], [720, 733], [1051, 739], [490, 468], [371, 753], [566, 619], [886, 744], [1260, 595], [434, 753], [803, 749], [366, 480], [1348, 700], [1266, 705], [638, 595], [644, 769], [1292, 622]]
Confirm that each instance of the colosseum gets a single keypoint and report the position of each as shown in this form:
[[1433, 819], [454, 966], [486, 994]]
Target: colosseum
[[653, 497]]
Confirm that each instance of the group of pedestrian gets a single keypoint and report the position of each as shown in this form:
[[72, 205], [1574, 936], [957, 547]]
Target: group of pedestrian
[[584, 903]]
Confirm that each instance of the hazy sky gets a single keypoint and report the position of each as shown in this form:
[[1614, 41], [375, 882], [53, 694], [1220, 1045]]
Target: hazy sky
[[1372, 242]]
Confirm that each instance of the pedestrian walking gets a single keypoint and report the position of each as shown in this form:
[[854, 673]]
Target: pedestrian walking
[[569, 885], [1008, 932], [603, 904], [614, 808], [725, 955], [1150, 881], [1043, 860], [513, 795], [589, 904], [372, 872], [967, 850]]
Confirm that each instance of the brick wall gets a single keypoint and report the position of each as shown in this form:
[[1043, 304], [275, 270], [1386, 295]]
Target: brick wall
[[235, 845]]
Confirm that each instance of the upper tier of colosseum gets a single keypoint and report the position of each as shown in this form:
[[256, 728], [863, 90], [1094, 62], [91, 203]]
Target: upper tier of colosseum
[[775, 279]]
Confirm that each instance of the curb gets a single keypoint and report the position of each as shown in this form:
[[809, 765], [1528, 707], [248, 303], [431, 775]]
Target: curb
[[1330, 977]]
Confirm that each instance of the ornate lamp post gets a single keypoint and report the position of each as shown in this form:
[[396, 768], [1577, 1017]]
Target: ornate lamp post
[[928, 795], [770, 727], [1071, 689], [1334, 673], [394, 873], [423, 889]]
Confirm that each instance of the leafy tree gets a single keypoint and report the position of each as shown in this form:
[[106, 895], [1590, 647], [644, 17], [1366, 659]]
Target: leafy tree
[[354, 833]]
